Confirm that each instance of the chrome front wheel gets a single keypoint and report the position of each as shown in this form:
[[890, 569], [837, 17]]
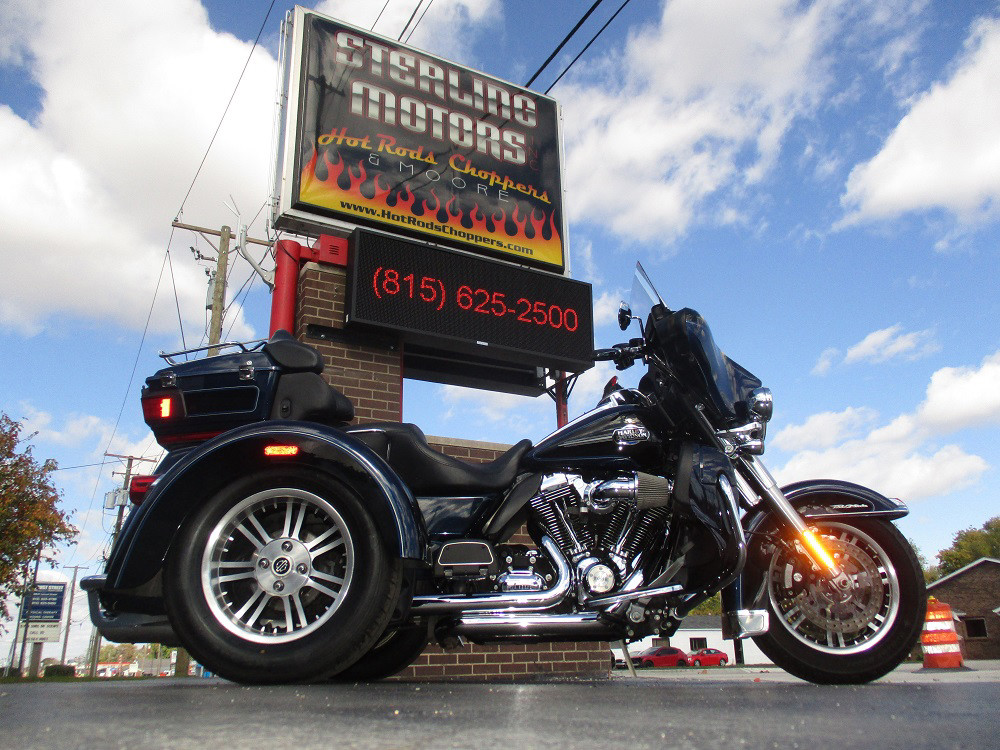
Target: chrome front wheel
[[826, 619], [854, 635]]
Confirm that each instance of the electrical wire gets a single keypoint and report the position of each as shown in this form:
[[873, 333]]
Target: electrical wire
[[412, 16], [563, 42], [592, 40], [418, 21], [177, 301], [131, 378], [226, 110], [380, 14]]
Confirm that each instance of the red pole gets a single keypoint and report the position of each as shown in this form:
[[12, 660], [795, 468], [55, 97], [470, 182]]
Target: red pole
[[562, 412], [287, 254]]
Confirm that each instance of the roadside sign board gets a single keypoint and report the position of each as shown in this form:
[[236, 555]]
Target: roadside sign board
[[46, 603], [379, 134], [40, 632]]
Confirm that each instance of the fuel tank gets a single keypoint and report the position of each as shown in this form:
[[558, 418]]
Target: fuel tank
[[612, 436]]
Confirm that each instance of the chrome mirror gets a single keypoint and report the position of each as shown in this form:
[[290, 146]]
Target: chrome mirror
[[624, 316]]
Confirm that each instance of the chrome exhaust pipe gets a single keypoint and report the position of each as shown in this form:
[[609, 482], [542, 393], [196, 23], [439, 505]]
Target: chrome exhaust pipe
[[504, 601], [526, 626]]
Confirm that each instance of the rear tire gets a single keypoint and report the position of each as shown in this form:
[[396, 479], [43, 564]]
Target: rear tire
[[280, 577], [816, 637]]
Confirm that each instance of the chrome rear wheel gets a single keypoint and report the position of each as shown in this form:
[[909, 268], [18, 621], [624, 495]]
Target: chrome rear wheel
[[277, 565]]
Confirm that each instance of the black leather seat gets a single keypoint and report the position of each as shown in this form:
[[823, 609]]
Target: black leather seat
[[428, 472], [302, 393], [292, 355]]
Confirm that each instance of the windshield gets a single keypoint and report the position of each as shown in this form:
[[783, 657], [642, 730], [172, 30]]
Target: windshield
[[644, 296]]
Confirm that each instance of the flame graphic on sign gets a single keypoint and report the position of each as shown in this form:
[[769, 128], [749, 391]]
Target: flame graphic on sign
[[351, 190]]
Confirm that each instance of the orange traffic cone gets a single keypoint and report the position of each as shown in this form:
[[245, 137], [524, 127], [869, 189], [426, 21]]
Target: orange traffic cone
[[939, 641]]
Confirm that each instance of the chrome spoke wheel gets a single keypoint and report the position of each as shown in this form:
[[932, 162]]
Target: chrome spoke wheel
[[277, 565], [834, 622]]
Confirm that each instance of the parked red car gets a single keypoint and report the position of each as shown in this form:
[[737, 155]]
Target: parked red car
[[661, 656], [708, 657]]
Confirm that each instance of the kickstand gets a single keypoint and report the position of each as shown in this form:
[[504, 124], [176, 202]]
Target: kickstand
[[628, 658]]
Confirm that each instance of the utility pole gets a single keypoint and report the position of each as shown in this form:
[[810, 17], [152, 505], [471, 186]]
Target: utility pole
[[95, 643], [219, 290], [69, 616], [221, 266], [26, 607]]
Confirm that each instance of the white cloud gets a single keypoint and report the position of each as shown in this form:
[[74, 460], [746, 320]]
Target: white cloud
[[131, 98], [901, 458], [823, 430], [945, 152], [960, 397], [703, 100], [606, 308], [889, 343], [826, 360]]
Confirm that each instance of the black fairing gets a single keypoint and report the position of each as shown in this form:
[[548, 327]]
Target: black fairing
[[690, 347], [713, 530]]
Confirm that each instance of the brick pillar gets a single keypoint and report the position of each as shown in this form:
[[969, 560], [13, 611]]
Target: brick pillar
[[371, 375]]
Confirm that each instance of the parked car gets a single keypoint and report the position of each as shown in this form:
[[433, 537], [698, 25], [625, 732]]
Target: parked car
[[708, 657], [661, 656]]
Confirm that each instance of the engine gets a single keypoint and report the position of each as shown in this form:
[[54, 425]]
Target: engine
[[603, 526]]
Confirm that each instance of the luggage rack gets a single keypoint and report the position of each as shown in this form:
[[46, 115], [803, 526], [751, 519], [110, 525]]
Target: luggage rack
[[249, 346]]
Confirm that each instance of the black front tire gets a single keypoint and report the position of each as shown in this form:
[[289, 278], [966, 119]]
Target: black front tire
[[392, 653], [818, 638], [280, 577]]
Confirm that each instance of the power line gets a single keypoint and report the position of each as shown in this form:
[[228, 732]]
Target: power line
[[131, 377], [380, 14], [177, 301], [412, 16], [226, 110], [592, 40], [418, 21], [563, 42]]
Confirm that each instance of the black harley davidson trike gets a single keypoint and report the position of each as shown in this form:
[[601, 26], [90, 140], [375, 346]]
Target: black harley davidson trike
[[278, 542]]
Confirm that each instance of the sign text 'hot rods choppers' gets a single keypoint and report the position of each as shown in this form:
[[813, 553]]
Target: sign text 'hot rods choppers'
[[384, 135]]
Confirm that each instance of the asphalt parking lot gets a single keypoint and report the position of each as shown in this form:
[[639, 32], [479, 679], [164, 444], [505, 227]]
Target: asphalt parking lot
[[730, 707]]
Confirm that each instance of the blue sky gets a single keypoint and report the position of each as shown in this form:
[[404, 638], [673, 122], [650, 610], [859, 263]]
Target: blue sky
[[821, 180]]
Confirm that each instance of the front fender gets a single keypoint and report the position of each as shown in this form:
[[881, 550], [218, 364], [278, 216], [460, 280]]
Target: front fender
[[814, 499], [833, 498], [143, 543]]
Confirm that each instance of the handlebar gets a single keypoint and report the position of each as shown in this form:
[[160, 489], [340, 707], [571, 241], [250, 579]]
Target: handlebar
[[623, 355]]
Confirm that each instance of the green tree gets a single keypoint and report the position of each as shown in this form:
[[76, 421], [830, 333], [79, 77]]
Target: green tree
[[971, 544], [29, 518], [931, 572], [119, 652]]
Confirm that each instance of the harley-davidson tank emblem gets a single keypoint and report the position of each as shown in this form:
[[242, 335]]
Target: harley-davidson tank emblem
[[631, 434]]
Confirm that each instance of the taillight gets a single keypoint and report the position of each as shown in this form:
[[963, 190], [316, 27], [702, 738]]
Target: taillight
[[160, 408], [139, 486]]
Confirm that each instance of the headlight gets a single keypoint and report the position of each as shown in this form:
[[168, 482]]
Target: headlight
[[761, 403]]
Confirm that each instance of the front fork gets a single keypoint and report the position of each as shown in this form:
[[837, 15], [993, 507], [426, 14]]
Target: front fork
[[750, 472]]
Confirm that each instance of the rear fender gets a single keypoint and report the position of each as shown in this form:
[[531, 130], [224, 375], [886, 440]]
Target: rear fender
[[143, 543]]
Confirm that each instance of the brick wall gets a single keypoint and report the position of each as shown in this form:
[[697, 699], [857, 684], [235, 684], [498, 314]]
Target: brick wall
[[974, 592], [370, 374]]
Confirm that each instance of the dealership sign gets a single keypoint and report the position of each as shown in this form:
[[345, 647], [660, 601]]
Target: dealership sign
[[379, 134]]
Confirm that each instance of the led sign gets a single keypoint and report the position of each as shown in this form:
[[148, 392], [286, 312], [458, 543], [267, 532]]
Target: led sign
[[457, 302]]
